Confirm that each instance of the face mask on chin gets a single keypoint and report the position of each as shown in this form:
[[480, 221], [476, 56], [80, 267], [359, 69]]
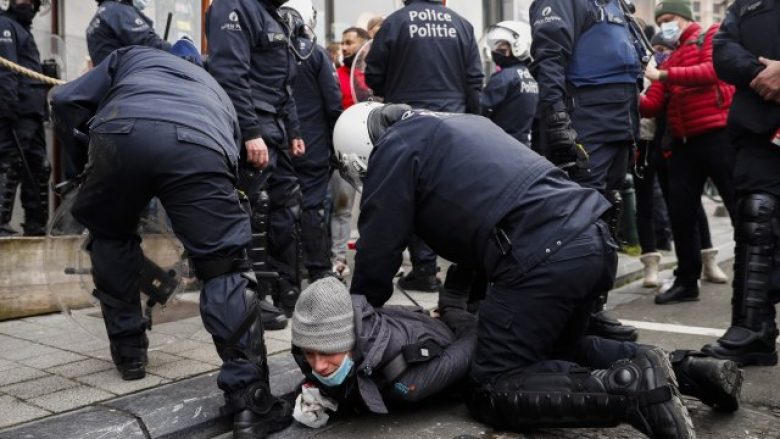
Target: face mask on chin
[[348, 60], [339, 376]]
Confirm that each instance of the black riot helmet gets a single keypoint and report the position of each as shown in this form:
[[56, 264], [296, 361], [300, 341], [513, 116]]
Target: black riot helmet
[[38, 6]]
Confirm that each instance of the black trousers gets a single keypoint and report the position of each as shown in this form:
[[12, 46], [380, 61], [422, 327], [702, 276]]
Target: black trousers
[[709, 155]]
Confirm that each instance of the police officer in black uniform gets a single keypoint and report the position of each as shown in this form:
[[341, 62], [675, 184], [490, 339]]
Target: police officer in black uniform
[[318, 99], [120, 23], [22, 111], [249, 56], [587, 61], [483, 199], [426, 55], [161, 126], [746, 54]]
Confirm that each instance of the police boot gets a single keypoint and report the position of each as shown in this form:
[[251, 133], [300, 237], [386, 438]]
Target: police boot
[[679, 292], [36, 207], [263, 414], [421, 279], [315, 240], [9, 180], [454, 293], [714, 382], [605, 325], [130, 357], [286, 297], [751, 338]]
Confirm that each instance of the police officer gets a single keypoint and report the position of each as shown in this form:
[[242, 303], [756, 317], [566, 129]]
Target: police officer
[[511, 95], [746, 54], [120, 23], [176, 139], [426, 55], [250, 58], [588, 65], [482, 198], [22, 111], [318, 100]]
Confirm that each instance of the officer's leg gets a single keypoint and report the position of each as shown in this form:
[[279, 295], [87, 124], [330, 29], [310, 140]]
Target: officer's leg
[[109, 204], [609, 164], [343, 195], [35, 187], [10, 173], [315, 227], [457, 285], [423, 274]]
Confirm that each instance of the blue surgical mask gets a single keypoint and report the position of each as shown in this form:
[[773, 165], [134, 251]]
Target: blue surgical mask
[[670, 30], [337, 377], [661, 57]]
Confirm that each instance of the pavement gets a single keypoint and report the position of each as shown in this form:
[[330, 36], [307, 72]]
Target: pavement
[[57, 379]]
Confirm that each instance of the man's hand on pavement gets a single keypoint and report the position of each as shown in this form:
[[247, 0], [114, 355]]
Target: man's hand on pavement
[[297, 147], [767, 82], [257, 152]]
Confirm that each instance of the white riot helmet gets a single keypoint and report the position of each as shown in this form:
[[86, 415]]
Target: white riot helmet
[[352, 141], [305, 10], [516, 33]]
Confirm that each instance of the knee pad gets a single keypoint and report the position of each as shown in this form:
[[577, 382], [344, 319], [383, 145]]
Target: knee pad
[[207, 268], [757, 219]]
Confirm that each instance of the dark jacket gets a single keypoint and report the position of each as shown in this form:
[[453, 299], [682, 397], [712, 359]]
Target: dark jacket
[[143, 83], [116, 25], [751, 29], [510, 99], [318, 100], [426, 55], [450, 179], [381, 334], [19, 95], [250, 58]]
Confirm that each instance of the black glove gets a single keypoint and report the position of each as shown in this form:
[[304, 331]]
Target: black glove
[[562, 147]]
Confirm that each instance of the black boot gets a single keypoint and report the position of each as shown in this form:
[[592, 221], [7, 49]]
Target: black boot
[[286, 296], [273, 318], [455, 291], [714, 382], [745, 346], [35, 199], [9, 180], [262, 415], [130, 357], [678, 293], [603, 324], [421, 279]]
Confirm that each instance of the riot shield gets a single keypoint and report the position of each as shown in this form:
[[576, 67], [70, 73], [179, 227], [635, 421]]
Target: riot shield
[[357, 80]]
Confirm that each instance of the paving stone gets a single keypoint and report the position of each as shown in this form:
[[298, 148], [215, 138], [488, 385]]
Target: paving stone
[[157, 339], [52, 359], [87, 423], [28, 350], [70, 398], [78, 342], [181, 369], [281, 334], [14, 411], [22, 329], [276, 346], [206, 354], [81, 368], [7, 364], [157, 357], [38, 387], [111, 381], [56, 320], [184, 345], [19, 374]]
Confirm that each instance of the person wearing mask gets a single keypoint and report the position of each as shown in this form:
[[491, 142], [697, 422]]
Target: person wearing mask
[[121, 23], [23, 156], [696, 103], [160, 126], [746, 54], [251, 57]]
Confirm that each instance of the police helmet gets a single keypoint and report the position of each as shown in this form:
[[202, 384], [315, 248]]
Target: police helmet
[[516, 33], [41, 6], [353, 143], [305, 10]]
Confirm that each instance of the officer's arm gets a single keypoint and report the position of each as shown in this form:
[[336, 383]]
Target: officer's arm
[[494, 93], [329, 89], [474, 74], [699, 74], [9, 81], [378, 56], [733, 63], [554, 27], [133, 30], [385, 224], [231, 39], [653, 100], [291, 121]]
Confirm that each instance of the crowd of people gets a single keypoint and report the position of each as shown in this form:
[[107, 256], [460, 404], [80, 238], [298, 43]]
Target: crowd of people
[[256, 152]]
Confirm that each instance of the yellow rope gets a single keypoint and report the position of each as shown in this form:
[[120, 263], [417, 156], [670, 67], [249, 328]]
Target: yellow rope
[[29, 73]]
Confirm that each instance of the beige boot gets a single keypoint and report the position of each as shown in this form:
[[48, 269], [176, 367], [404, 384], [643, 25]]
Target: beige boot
[[651, 261], [710, 271]]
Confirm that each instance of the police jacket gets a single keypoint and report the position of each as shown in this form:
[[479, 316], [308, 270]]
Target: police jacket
[[695, 100], [318, 100], [143, 83], [19, 95], [381, 337], [117, 24], [450, 179], [510, 99], [751, 29], [250, 58], [587, 61], [426, 55]]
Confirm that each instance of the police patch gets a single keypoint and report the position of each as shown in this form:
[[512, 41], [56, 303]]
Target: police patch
[[546, 11], [233, 16], [7, 33], [139, 22]]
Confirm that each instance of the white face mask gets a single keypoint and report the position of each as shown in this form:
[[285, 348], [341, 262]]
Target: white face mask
[[670, 30], [140, 4]]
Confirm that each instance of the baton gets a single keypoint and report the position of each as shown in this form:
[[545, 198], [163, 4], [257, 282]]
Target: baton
[[168, 26], [24, 159]]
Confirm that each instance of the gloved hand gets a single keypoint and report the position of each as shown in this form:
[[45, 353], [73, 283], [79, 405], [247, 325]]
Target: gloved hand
[[310, 407], [562, 147]]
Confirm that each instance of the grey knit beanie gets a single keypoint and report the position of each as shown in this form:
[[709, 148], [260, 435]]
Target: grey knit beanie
[[323, 318]]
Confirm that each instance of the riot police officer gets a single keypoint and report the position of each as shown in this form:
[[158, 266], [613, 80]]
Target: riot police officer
[[23, 155], [177, 139], [746, 54], [250, 57], [318, 100], [120, 23], [426, 55], [587, 61]]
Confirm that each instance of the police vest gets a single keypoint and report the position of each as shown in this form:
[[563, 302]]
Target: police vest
[[605, 53]]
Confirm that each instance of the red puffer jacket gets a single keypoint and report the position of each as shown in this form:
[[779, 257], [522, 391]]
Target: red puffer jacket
[[697, 101]]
